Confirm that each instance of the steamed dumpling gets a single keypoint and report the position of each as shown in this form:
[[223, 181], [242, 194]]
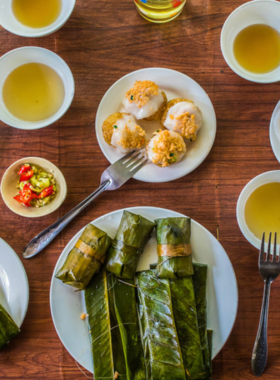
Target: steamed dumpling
[[145, 101], [166, 148], [121, 131], [184, 117]]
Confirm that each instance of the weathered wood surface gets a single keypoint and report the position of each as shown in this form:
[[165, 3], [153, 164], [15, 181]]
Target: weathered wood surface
[[102, 41]]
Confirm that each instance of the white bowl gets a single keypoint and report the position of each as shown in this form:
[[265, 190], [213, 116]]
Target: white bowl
[[274, 131], [10, 23], [175, 85], [21, 56], [262, 179], [254, 12], [9, 190]]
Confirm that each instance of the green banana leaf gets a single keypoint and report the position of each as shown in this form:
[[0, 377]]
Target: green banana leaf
[[114, 328], [97, 306], [79, 267], [162, 350], [133, 233], [8, 328], [174, 232], [210, 345], [185, 315], [127, 345], [200, 282]]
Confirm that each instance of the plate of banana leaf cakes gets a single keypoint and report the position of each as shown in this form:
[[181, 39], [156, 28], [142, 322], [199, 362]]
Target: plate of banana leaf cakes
[[144, 293]]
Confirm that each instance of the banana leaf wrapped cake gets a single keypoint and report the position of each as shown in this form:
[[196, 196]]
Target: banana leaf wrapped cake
[[162, 351], [210, 347], [114, 328], [133, 233], [174, 249], [86, 258], [200, 286], [188, 296], [8, 328], [185, 314]]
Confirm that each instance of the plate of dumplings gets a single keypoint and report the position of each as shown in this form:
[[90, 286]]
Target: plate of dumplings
[[163, 114]]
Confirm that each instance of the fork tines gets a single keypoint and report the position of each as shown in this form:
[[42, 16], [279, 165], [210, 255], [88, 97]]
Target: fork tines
[[263, 256], [134, 161]]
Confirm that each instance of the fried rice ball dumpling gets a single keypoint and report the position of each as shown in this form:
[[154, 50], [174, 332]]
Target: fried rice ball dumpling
[[121, 131], [166, 148], [145, 101], [182, 116]]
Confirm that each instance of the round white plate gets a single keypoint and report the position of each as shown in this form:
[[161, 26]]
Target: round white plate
[[175, 85], [14, 289], [274, 131], [222, 293]]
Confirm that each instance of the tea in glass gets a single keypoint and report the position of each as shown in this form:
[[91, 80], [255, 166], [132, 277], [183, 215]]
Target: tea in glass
[[160, 10]]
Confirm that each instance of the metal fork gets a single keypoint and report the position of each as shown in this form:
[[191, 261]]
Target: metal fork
[[269, 271], [112, 178]]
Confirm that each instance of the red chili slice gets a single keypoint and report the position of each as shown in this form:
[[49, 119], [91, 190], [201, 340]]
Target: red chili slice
[[18, 198], [26, 195], [46, 192], [26, 176], [24, 169]]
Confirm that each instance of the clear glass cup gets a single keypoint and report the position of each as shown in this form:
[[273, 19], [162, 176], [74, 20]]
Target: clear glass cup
[[159, 10]]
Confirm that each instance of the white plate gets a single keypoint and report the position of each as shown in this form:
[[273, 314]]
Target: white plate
[[14, 289], [222, 294], [175, 85], [274, 131]]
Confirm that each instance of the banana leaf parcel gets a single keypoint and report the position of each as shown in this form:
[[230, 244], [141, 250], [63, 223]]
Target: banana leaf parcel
[[174, 249], [8, 328], [200, 282], [86, 258], [114, 328], [185, 315], [162, 350], [210, 345], [133, 233]]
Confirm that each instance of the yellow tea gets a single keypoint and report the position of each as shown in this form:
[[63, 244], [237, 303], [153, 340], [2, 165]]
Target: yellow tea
[[160, 10], [33, 92], [36, 13], [262, 210], [257, 48]]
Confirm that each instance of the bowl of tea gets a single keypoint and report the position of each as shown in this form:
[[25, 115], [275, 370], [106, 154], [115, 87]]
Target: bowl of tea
[[35, 18], [258, 208], [250, 41], [36, 88]]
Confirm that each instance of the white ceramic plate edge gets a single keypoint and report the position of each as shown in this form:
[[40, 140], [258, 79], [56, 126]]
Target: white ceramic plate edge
[[274, 141], [25, 276]]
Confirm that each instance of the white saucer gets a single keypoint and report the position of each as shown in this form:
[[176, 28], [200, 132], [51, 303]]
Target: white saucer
[[222, 293], [175, 85], [274, 131], [14, 288]]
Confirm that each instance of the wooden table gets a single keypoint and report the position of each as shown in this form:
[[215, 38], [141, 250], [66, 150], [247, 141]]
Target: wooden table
[[102, 41]]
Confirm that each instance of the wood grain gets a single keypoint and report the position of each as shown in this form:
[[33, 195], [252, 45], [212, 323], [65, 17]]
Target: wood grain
[[102, 41]]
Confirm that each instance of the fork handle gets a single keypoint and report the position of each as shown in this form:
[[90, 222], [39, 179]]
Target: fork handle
[[259, 356], [40, 241]]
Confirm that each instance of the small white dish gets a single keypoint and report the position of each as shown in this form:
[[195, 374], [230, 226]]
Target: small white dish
[[10, 23], [21, 56], [274, 131], [175, 85], [262, 179], [252, 12], [222, 293], [14, 288], [9, 190]]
